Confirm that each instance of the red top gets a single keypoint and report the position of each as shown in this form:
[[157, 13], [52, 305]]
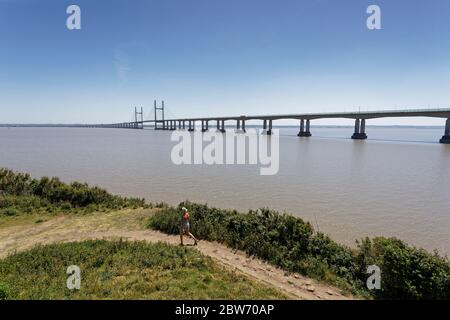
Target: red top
[[186, 216]]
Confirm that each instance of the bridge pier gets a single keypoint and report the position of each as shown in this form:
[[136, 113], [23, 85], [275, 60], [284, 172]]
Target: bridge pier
[[264, 125], [222, 127], [243, 125], [304, 132], [446, 137], [191, 127], [204, 126], [360, 130], [238, 124], [269, 132]]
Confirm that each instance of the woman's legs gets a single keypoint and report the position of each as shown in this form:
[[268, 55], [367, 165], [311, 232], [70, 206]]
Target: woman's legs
[[186, 231], [192, 236]]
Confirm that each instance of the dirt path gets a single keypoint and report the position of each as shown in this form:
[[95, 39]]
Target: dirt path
[[128, 225]]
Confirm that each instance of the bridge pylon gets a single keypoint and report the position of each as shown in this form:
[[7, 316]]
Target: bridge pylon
[[138, 116], [162, 122]]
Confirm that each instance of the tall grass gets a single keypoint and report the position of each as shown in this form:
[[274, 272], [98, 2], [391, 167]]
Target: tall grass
[[123, 270], [292, 244]]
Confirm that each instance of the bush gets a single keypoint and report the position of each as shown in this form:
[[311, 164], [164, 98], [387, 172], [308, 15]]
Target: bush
[[4, 291], [292, 244], [20, 191], [9, 212], [407, 272]]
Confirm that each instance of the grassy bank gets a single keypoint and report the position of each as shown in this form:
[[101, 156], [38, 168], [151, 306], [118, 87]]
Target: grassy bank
[[123, 270], [282, 240], [292, 244], [21, 194]]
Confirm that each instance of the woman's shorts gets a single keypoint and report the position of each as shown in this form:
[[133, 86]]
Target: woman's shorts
[[185, 227]]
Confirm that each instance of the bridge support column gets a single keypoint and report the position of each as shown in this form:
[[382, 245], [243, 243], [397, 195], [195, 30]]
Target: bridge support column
[[307, 131], [204, 126], [303, 132], [207, 125], [264, 125], [360, 130], [191, 125], [243, 125], [446, 137], [222, 127], [238, 124], [269, 132]]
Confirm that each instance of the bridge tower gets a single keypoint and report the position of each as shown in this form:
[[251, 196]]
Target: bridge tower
[[138, 124], [161, 109]]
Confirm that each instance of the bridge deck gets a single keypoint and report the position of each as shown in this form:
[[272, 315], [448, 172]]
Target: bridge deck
[[437, 113]]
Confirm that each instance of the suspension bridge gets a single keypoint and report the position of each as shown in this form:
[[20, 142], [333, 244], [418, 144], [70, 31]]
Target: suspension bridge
[[359, 133]]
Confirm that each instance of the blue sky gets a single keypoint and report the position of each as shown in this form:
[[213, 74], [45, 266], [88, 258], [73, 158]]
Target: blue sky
[[220, 57]]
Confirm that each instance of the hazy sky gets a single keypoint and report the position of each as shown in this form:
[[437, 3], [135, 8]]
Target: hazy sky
[[220, 57]]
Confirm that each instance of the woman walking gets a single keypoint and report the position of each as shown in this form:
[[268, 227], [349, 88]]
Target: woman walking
[[185, 226]]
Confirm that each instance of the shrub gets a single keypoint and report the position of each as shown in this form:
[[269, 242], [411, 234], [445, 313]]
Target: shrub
[[50, 194], [407, 272], [9, 211], [290, 243], [4, 291]]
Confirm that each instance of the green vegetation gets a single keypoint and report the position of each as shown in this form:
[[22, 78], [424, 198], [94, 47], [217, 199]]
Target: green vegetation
[[292, 244], [281, 239], [123, 270], [4, 291], [21, 194]]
